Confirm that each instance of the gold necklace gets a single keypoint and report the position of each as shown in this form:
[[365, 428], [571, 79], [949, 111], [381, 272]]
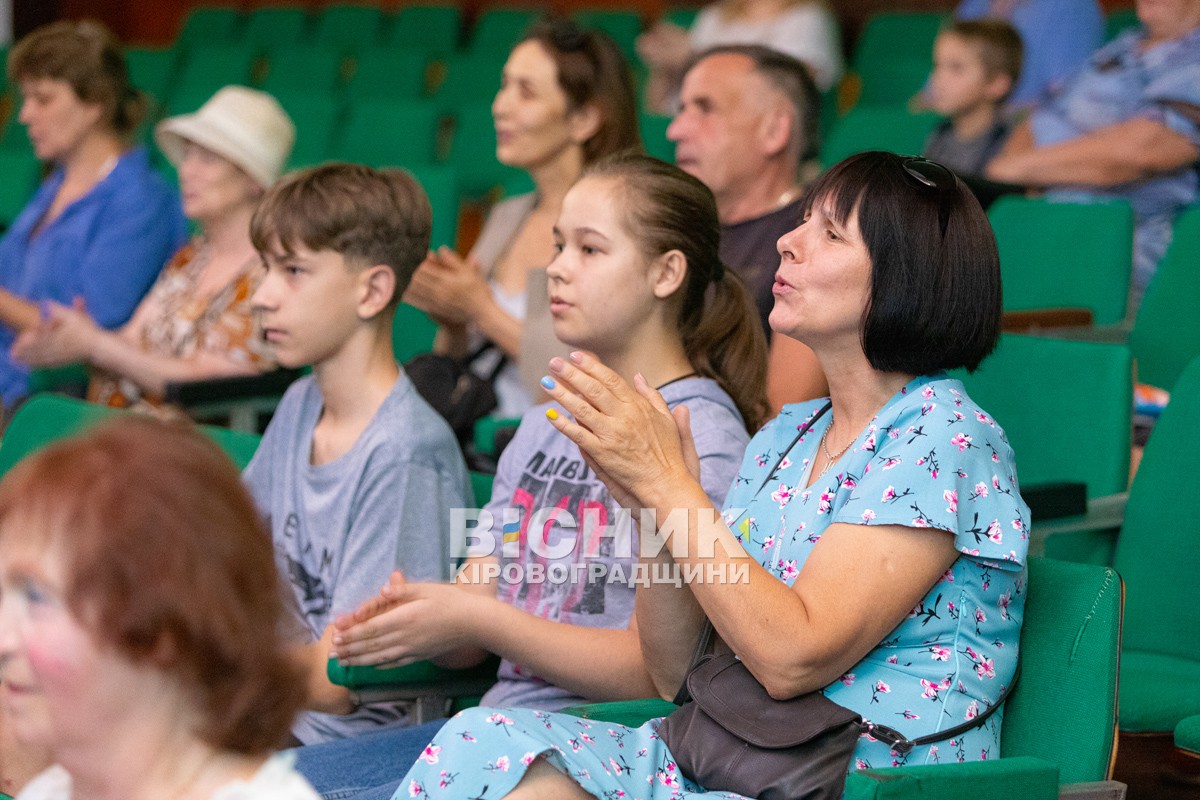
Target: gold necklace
[[832, 458]]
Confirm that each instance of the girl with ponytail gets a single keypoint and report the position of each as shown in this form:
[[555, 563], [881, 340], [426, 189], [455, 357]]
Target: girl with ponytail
[[635, 280]]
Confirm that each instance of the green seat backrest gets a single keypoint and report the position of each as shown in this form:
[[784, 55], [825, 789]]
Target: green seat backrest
[[683, 16], [432, 28], [1120, 20], [473, 152], [207, 68], [151, 69], [896, 36], [349, 28], [496, 30], [865, 127], [412, 332], [275, 27], [1080, 386], [209, 25], [1065, 705], [1088, 383], [622, 25], [1158, 551], [45, 418], [1165, 335], [654, 136], [894, 85], [481, 485], [315, 69], [1065, 255], [469, 79], [441, 185], [21, 170], [388, 73], [317, 116], [390, 133]]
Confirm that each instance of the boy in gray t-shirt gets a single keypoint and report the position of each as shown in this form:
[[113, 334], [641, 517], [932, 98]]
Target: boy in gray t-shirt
[[356, 473]]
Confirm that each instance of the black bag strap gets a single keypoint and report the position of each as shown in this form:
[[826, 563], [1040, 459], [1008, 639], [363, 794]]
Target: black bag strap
[[889, 736], [902, 744], [483, 349]]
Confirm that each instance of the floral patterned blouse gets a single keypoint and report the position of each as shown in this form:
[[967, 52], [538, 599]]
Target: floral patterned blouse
[[182, 323]]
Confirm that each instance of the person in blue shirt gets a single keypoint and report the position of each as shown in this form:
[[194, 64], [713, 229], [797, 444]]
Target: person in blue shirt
[[102, 224], [1058, 36]]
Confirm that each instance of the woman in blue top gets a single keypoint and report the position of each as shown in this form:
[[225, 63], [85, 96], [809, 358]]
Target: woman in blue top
[[879, 558], [102, 224]]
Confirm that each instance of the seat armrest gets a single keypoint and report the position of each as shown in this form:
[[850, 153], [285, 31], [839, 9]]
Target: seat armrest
[[1103, 513], [417, 680], [240, 398], [1023, 777], [631, 713]]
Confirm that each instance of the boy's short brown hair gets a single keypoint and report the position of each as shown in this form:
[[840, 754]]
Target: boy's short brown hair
[[998, 44], [367, 216]]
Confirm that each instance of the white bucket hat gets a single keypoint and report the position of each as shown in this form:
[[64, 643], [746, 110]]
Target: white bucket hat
[[245, 126]]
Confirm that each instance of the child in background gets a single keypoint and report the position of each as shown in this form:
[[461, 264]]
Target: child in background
[[357, 474], [976, 64]]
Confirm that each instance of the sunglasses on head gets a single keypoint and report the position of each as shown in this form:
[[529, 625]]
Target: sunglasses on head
[[934, 176]]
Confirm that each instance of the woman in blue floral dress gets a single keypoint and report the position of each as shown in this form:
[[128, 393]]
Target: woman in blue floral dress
[[878, 558]]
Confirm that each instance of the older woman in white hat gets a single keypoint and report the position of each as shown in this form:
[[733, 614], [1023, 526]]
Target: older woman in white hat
[[196, 320]]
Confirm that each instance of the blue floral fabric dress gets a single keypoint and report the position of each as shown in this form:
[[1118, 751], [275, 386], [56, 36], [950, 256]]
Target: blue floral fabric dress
[[929, 459]]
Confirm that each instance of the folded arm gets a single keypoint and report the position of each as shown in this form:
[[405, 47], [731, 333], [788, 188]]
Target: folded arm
[[1127, 151]]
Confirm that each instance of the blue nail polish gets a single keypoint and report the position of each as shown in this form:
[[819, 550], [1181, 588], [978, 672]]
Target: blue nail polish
[[548, 382]]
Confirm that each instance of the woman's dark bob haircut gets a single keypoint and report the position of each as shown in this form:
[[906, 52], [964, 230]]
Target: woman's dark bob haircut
[[935, 298]]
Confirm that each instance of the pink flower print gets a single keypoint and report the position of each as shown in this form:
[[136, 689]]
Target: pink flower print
[[892, 660], [961, 441], [981, 490], [980, 616], [891, 462], [931, 689], [868, 515], [847, 679], [996, 483], [983, 754], [444, 779], [927, 392], [889, 494], [668, 779], [787, 462], [587, 739], [783, 495], [948, 576], [958, 416], [575, 745], [826, 503], [430, 755], [790, 570], [985, 668], [1005, 600], [860, 764], [951, 498], [617, 768], [939, 653], [849, 482], [879, 688], [994, 532], [972, 710], [760, 460], [982, 417], [907, 714], [995, 457], [926, 408], [768, 543], [1018, 525], [415, 789], [920, 522], [528, 758], [499, 719], [869, 444], [467, 737], [502, 763], [894, 433]]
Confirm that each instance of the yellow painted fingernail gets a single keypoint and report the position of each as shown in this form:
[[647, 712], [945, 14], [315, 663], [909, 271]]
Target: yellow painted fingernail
[[551, 414]]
